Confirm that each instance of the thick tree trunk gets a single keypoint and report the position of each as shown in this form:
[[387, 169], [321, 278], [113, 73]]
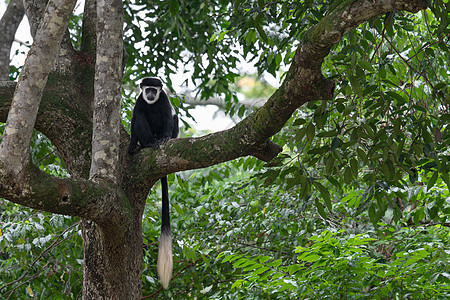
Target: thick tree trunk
[[112, 261]]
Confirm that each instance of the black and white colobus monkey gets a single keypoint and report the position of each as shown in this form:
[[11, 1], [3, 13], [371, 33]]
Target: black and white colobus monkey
[[154, 121]]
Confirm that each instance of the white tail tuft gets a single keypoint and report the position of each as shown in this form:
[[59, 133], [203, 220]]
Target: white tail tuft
[[165, 263]]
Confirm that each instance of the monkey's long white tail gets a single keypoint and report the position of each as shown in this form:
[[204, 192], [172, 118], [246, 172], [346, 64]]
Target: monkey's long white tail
[[165, 263]]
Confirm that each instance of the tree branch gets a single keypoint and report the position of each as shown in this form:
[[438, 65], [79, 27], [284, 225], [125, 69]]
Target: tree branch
[[20, 180], [66, 196], [35, 11], [304, 82], [88, 35], [8, 26], [15, 145], [108, 90], [63, 118], [248, 103]]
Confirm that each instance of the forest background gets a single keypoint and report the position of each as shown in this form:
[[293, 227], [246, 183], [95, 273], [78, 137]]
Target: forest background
[[355, 206]]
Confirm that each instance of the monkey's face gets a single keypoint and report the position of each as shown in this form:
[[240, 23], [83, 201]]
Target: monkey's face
[[151, 93]]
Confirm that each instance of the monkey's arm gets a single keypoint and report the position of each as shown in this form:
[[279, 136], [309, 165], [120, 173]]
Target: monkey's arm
[[168, 125], [142, 131], [176, 127]]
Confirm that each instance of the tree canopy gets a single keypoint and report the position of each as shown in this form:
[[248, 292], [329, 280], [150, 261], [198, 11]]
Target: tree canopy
[[335, 186]]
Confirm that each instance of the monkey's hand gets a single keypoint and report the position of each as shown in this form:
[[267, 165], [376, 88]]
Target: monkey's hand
[[154, 145], [164, 140], [132, 149]]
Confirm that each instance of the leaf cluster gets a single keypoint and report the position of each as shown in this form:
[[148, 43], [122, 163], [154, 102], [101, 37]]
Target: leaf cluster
[[40, 254]]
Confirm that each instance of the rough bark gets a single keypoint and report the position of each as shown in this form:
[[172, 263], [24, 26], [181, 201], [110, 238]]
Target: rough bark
[[111, 207], [15, 145], [113, 260], [112, 269], [34, 10], [8, 27], [108, 90]]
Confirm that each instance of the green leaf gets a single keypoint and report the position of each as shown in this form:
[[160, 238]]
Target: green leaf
[[445, 117], [278, 59], [362, 155], [299, 121], [276, 263], [260, 270], [348, 110], [373, 216], [325, 194], [334, 182], [329, 164], [237, 284], [396, 96], [319, 150], [293, 269], [445, 177], [251, 37], [336, 143], [440, 85], [327, 133], [311, 257], [366, 65], [174, 7], [348, 175], [263, 259], [356, 86], [419, 215], [310, 131], [222, 35], [354, 167], [262, 33], [178, 209], [419, 108], [320, 208]]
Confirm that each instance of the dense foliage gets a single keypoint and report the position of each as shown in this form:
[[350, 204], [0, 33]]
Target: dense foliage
[[357, 206]]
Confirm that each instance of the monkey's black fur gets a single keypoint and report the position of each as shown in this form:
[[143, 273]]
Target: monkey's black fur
[[154, 122]]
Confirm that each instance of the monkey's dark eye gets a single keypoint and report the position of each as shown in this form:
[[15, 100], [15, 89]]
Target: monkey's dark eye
[[148, 90]]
